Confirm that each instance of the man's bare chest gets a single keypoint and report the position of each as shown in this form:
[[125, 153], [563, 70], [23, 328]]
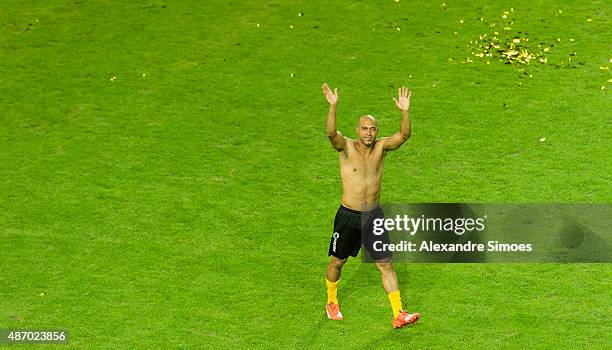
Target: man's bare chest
[[359, 163]]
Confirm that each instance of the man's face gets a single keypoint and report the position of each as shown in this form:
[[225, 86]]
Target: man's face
[[367, 129]]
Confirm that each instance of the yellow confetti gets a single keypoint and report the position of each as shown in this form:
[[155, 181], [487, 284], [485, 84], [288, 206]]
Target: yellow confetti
[[461, 21], [543, 139], [558, 39], [292, 75], [572, 40], [604, 67], [291, 26], [560, 11], [398, 29], [589, 19], [603, 87], [144, 75], [257, 25]]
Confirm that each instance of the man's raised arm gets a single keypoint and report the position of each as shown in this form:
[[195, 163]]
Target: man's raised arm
[[335, 137], [403, 103]]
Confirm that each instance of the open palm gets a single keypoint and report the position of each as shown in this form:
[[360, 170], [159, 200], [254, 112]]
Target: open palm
[[331, 96], [403, 98]]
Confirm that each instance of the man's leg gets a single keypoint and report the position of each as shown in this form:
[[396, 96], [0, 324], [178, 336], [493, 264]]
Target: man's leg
[[345, 241], [387, 274], [391, 286], [332, 276], [334, 269]]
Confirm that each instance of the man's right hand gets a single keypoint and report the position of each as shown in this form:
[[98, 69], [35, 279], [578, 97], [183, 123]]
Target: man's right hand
[[331, 96]]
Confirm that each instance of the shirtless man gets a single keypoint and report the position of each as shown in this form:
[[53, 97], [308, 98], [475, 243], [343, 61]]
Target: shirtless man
[[361, 169]]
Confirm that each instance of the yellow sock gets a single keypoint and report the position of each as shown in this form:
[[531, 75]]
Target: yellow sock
[[332, 291], [396, 302]]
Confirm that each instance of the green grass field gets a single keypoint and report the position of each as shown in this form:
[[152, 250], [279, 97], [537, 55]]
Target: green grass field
[[166, 180]]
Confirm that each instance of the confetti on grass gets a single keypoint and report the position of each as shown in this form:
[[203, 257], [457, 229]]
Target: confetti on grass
[[508, 46]]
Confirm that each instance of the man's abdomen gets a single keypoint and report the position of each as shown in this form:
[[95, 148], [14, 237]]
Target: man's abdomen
[[361, 194]]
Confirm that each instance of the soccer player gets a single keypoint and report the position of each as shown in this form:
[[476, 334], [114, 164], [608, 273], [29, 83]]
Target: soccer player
[[361, 169]]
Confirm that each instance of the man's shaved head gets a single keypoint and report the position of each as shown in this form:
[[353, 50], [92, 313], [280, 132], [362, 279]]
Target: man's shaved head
[[367, 130], [366, 118]]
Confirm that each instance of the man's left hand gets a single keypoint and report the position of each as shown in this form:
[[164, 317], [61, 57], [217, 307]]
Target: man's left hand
[[403, 98]]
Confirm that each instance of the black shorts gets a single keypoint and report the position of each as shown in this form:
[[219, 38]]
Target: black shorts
[[351, 228]]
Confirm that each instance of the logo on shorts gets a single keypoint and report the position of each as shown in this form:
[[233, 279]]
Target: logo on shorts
[[336, 235]]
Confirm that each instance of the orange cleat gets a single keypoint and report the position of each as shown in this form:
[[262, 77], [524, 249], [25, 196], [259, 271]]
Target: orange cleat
[[405, 318], [333, 312]]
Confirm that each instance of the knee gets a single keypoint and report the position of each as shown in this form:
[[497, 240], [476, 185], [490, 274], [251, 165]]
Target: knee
[[385, 267], [337, 263]]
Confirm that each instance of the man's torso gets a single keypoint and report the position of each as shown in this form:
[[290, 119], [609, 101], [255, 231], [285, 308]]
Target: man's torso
[[361, 175]]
